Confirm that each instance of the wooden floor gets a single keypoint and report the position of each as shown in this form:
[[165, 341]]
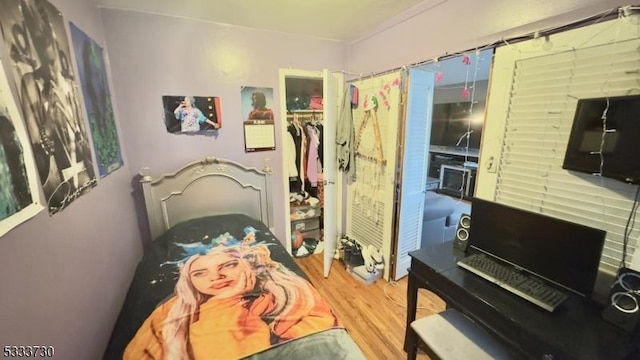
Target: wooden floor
[[375, 321]]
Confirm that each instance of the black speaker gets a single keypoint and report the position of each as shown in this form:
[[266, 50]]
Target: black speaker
[[461, 241], [623, 309]]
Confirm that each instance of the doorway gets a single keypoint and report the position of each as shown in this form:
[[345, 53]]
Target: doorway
[[454, 136], [309, 112]]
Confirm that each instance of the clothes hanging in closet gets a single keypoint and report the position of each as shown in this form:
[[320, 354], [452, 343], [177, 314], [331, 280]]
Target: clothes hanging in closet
[[345, 136], [295, 182], [290, 152], [320, 147], [312, 155], [306, 137]]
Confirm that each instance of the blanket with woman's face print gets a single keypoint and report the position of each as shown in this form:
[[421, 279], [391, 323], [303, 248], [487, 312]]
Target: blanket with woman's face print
[[219, 286]]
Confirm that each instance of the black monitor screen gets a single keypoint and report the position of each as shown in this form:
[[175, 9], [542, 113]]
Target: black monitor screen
[[455, 123], [607, 126], [562, 252]]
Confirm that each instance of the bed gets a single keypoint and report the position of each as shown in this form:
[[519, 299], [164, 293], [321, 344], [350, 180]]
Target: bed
[[215, 283]]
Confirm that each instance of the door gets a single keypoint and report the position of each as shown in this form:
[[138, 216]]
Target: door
[[333, 90], [413, 170]]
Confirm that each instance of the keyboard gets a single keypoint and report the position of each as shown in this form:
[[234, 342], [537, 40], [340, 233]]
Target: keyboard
[[519, 283]]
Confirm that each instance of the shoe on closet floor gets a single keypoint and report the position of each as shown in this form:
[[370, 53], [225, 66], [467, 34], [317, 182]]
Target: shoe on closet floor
[[376, 257], [319, 248]]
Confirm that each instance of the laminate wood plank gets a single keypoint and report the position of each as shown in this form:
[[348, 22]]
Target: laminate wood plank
[[375, 320]]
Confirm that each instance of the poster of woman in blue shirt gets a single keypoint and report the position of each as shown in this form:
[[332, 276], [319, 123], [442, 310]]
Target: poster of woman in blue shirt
[[188, 114]]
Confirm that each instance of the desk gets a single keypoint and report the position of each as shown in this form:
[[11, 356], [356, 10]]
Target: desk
[[574, 331]]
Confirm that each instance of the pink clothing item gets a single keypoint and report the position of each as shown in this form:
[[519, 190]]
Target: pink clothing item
[[312, 153], [316, 103]]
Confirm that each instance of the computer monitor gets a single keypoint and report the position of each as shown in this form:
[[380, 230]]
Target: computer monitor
[[559, 251]]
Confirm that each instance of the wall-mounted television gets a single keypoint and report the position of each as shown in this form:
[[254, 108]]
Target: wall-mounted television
[[452, 121], [564, 253], [605, 135]]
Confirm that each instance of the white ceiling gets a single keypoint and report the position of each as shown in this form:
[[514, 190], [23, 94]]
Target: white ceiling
[[343, 20]]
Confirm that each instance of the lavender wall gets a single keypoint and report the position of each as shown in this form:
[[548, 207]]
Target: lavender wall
[[454, 26], [63, 278], [154, 55]]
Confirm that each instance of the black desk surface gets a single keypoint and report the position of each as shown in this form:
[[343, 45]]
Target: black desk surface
[[575, 330]]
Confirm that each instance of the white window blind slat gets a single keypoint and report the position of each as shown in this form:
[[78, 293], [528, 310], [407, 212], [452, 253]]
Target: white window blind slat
[[599, 54], [577, 71], [555, 95]]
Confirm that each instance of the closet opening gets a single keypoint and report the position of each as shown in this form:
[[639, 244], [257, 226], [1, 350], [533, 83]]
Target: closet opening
[[304, 161], [311, 184]]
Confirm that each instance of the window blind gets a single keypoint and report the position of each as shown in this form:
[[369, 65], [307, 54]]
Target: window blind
[[543, 98]]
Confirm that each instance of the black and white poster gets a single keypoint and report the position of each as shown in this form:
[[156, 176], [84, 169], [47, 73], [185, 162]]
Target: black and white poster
[[18, 181], [36, 41]]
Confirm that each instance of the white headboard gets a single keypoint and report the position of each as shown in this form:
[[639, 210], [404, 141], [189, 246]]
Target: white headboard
[[210, 186]]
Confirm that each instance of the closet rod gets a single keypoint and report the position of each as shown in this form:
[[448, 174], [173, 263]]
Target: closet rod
[[305, 118], [304, 115]]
